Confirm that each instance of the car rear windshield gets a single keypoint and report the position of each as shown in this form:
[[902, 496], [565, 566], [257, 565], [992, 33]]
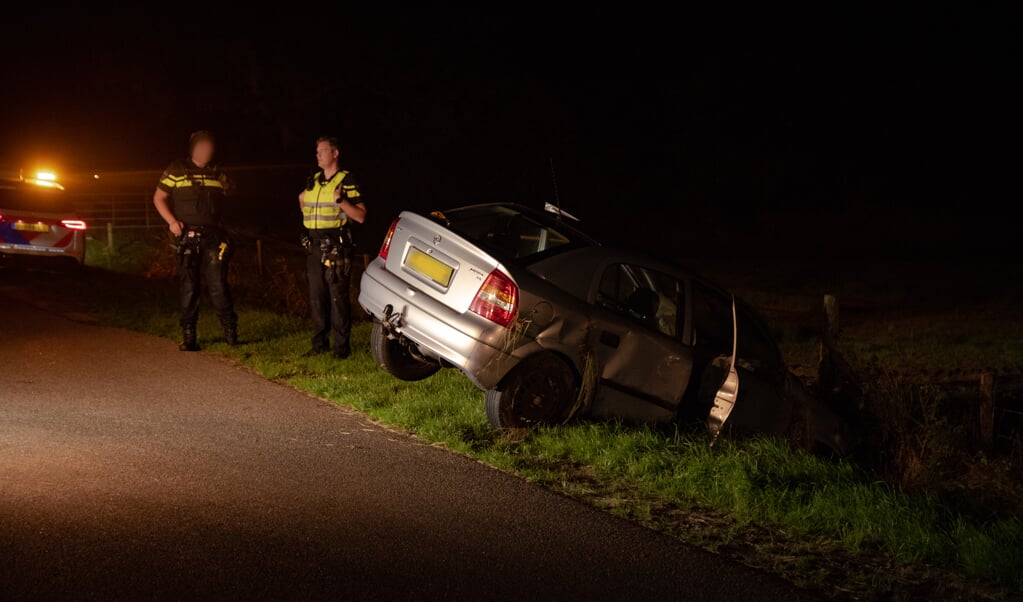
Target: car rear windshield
[[509, 233], [37, 199]]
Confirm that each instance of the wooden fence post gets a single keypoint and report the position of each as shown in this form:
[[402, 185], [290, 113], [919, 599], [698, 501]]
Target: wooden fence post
[[831, 317], [259, 256], [110, 238], [987, 409], [826, 377]]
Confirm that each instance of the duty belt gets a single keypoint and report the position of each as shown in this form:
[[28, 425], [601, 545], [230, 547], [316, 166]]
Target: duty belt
[[339, 237]]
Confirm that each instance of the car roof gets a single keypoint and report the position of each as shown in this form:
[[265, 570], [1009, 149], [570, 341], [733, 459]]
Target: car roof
[[595, 256], [599, 252], [625, 254]]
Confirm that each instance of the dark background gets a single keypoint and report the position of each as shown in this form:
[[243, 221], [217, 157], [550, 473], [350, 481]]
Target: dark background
[[853, 130]]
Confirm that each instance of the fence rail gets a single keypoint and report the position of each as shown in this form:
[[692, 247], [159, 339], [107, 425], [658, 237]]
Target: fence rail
[[118, 211]]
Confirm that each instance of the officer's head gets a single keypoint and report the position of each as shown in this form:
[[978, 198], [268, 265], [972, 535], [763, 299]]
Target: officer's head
[[326, 152], [200, 147]]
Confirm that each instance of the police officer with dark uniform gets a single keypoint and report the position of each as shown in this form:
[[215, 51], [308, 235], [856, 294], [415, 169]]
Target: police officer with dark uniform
[[330, 203], [189, 197]]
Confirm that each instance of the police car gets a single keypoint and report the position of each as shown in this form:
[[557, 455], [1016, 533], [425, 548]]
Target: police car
[[37, 218]]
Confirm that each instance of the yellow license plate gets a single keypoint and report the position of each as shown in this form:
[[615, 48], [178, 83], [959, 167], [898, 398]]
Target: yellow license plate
[[22, 226], [423, 264]]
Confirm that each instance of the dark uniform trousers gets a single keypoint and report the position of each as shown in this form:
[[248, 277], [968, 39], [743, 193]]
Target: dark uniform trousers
[[329, 303], [212, 264]]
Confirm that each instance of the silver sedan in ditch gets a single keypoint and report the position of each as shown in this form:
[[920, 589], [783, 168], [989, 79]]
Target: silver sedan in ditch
[[552, 325]]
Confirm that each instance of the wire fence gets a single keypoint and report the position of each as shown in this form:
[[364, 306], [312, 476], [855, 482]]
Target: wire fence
[[107, 213], [118, 211]]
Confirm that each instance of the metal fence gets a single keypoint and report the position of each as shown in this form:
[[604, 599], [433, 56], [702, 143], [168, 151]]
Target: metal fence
[[106, 213], [119, 211]]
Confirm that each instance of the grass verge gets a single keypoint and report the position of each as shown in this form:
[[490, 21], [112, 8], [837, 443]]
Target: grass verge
[[821, 524]]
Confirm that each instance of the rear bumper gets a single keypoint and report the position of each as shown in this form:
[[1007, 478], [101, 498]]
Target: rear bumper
[[456, 338], [72, 251]]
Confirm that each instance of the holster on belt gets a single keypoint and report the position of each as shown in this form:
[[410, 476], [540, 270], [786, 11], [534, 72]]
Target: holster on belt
[[336, 257], [187, 248]]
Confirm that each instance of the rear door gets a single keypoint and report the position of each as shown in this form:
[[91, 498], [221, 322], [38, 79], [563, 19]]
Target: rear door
[[636, 326], [761, 405]]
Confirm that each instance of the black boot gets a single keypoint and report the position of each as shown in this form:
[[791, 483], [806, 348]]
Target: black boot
[[231, 334], [188, 342]]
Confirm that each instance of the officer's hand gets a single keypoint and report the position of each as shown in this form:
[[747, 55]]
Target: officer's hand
[[176, 228]]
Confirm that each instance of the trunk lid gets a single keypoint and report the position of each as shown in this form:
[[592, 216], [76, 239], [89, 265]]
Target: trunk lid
[[433, 260]]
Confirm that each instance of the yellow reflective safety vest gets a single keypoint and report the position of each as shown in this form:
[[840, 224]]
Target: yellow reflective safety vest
[[320, 210]]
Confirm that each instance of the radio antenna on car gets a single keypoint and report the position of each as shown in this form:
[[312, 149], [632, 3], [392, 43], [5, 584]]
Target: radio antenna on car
[[556, 207], [554, 180]]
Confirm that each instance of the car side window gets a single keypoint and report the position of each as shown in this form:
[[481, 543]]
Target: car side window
[[645, 296]]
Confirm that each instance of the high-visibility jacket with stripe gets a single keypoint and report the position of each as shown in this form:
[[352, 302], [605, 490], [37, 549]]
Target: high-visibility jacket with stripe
[[320, 210], [196, 192]]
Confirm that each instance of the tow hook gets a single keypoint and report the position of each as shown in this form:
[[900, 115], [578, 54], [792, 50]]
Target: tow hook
[[390, 322]]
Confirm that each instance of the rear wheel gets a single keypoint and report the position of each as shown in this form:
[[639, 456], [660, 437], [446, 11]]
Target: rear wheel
[[396, 359], [542, 389]]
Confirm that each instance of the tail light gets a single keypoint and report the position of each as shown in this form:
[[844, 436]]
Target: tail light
[[385, 248], [497, 300], [73, 224]]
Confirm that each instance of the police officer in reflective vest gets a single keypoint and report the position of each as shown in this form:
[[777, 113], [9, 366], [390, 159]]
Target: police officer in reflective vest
[[189, 197], [330, 202]]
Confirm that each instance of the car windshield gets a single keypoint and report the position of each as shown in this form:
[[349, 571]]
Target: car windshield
[[511, 234], [36, 199]]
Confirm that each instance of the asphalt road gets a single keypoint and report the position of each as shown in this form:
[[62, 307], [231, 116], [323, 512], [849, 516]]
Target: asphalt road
[[130, 470]]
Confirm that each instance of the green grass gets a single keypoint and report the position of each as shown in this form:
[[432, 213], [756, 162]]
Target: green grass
[[760, 481], [651, 475], [958, 342], [926, 318], [132, 252]]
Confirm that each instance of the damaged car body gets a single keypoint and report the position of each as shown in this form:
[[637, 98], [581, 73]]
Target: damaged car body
[[553, 325]]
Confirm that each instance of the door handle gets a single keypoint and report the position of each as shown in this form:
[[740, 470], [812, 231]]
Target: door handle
[[610, 339]]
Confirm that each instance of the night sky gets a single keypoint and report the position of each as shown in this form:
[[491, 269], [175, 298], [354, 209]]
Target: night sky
[[904, 119]]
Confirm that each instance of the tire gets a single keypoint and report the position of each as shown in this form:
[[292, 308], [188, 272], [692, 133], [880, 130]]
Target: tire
[[542, 389], [395, 358]]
